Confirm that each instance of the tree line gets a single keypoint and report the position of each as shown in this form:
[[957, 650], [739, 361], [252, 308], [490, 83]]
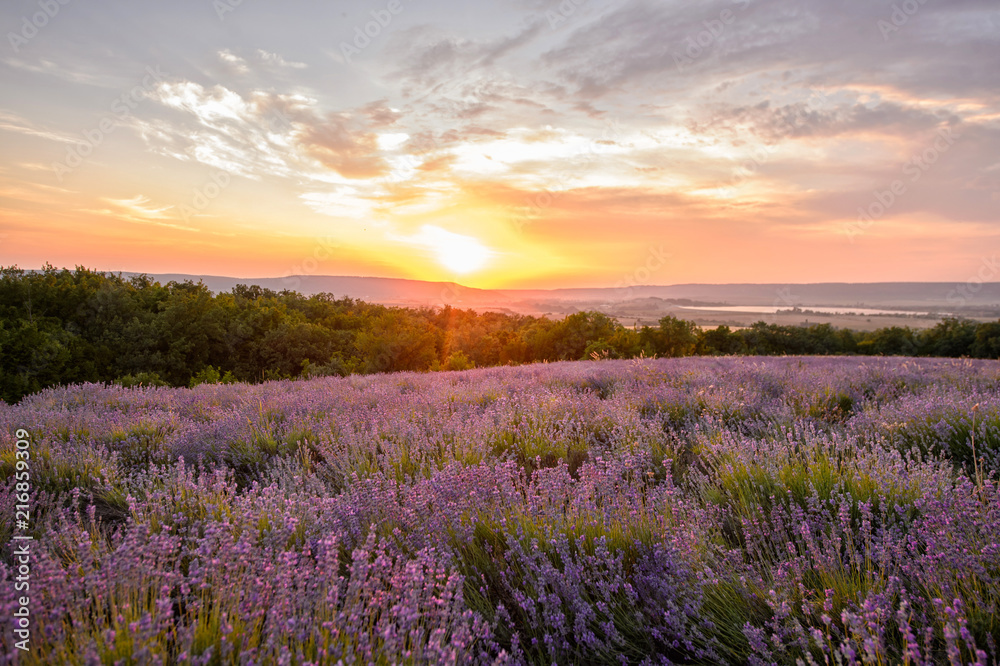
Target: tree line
[[59, 327]]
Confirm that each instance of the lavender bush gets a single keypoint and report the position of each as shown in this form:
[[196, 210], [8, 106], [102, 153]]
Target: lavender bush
[[726, 510]]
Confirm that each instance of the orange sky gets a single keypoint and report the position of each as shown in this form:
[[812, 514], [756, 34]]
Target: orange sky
[[506, 144]]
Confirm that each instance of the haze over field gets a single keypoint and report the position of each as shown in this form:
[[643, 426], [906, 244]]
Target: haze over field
[[510, 144], [896, 295], [857, 306]]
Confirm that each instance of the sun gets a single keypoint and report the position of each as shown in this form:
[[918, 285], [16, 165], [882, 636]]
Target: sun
[[456, 252]]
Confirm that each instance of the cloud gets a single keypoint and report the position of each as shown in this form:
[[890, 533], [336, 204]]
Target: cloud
[[260, 60], [209, 105], [263, 134], [342, 145], [344, 202], [277, 61], [138, 207], [67, 70], [11, 122], [670, 47], [31, 192], [214, 126], [439, 163], [819, 117], [380, 114], [426, 58], [235, 63]]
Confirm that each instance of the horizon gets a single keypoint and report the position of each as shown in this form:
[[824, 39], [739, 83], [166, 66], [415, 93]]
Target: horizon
[[983, 283], [519, 144]]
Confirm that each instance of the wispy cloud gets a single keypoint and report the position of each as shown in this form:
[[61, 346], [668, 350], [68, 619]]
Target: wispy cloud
[[258, 59], [11, 122], [236, 63], [276, 60], [139, 206]]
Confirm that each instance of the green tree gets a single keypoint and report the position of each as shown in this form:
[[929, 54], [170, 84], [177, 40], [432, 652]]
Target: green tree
[[569, 338], [893, 341], [35, 355], [287, 347], [952, 338], [720, 341], [189, 333], [397, 340], [987, 342], [676, 337]]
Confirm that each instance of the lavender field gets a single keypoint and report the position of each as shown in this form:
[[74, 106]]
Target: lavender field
[[730, 510]]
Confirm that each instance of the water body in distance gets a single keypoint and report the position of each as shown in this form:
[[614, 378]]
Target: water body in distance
[[772, 309]]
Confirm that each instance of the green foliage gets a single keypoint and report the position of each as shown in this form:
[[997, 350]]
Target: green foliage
[[676, 337], [60, 327], [211, 375], [889, 341], [140, 379], [987, 341], [333, 368], [720, 341], [569, 339], [458, 361]]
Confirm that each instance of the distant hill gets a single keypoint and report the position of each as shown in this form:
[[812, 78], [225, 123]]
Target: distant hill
[[930, 296], [389, 291]]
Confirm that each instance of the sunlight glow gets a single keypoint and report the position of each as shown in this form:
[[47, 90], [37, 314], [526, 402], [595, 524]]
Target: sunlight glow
[[458, 253]]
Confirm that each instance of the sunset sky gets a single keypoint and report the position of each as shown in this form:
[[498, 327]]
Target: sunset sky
[[511, 143]]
